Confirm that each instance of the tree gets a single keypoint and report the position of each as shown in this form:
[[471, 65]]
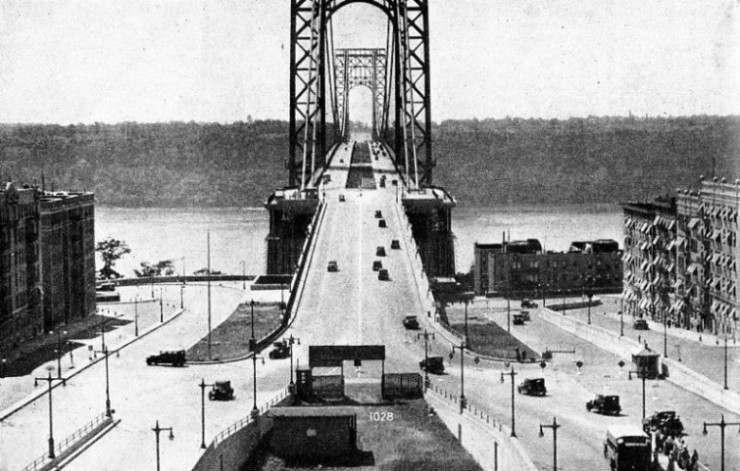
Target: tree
[[160, 268], [111, 250]]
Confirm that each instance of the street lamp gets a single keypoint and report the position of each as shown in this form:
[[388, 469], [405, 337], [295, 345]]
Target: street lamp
[[244, 274], [290, 341], [108, 410], [621, 323], [161, 307], [182, 292], [156, 431], [253, 349], [203, 387], [725, 385], [721, 424], [59, 351], [512, 373], [463, 401], [554, 428], [589, 295], [642, 375], [50, 380], [426, 336], [136, 316]]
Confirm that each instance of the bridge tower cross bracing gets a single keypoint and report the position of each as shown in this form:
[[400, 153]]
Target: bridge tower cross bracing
[[361, 67], [406, 69]]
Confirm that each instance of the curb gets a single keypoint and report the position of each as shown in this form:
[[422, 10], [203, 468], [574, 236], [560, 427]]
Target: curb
[[33, 397]]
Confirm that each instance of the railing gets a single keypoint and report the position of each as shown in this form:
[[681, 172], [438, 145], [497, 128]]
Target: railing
[[236, 426], [44, 460]]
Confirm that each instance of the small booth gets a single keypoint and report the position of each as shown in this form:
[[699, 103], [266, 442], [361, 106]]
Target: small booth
[[647, 363]]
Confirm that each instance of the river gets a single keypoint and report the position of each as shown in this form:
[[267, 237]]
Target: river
[[238, 235]]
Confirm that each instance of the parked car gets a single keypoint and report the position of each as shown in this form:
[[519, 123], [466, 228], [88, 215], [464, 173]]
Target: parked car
[[341, 198], [377, 265], [380, 251], [281, 350], [528, 303], [435, 365], [176, 358], [332, 266], [395, 245], [383, 275], [518, 319], [533, 387], [381, 223], [640, 324], [604, 405], [667, 423], [411, 322], [222, 391]]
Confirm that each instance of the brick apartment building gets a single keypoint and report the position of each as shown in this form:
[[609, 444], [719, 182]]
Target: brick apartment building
[[520, 268]]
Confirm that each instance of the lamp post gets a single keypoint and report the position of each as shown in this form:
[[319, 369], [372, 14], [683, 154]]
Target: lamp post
[[59, 351], [182, 297], [426, 336], [208, 240], [589, 295], [290, 341], [467, 337], [156, 431], [108, 410], [554, 428], [621, 323], [665, 332], [253, 349], [50, 380], [136, 316], [161, 307], [244, 274], [203, 387], [512, 373], [721, 424], [463, 401], [640, 374], [725, 355]]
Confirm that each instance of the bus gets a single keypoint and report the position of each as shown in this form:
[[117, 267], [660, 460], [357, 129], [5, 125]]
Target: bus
[[627, 448]]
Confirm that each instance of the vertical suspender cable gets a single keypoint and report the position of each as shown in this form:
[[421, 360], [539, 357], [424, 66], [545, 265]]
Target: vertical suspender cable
[[402, 50], [319, 77], [332, 76], [410, 91], [307, 116]]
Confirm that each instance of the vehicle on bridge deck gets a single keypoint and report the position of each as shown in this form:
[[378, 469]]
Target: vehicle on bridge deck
[[666, 423], [341, 198], [176, 358], [332, 266], [395, 245], [222, 391], [434, 365], [382, 180], [533, 387], [378, 214], [518, 319], [640, 324], [528, 303], [281, 350], [411, 322], [627, 448], [525, 315], [380, 251], [383, 275], [377, 265], [381, 223], [604, 405]]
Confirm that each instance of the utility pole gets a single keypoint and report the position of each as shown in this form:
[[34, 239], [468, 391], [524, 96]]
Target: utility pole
[[208, 240]]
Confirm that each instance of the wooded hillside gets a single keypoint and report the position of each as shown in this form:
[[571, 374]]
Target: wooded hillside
[[480, 162]]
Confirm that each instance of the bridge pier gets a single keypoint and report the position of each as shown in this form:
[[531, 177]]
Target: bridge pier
[[291, 211], [429, 211]]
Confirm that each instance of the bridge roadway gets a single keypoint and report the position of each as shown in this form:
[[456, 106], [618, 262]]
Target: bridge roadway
[[350, 306]]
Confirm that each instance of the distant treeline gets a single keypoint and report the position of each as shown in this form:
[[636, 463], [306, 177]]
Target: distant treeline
[[481, 162]]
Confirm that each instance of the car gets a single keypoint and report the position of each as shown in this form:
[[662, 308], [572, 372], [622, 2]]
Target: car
[[377, 265], [435, 365], [175, 358], [395, 245], [666, 422], [341, 198], [640, 324], [604, 404], [332, 266], [383, 275], [221, 391], [381, 223], [528, 303], [380, 251], [280, 350], [525, 316], [378, 214], [341, 161], [382, 182], [518, 319], [411, 322], [532, 387]]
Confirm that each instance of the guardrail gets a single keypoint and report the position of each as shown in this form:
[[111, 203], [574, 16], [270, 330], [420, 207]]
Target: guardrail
[[44, 462], [236, 426]]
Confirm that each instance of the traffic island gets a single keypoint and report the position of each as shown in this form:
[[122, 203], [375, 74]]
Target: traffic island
[[490, 340], [230, 340]]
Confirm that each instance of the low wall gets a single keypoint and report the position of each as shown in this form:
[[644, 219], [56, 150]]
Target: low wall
[[146, 280], [234, 450]]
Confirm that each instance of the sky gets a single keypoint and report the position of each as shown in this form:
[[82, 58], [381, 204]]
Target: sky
[[84, 61]]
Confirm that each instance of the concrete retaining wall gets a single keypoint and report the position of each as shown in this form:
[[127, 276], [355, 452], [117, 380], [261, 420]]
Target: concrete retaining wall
[[234, 450]]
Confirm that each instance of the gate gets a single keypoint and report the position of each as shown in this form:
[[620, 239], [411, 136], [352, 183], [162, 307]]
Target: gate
[[402, 386]]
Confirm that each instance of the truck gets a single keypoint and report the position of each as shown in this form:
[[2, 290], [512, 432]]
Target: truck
[[175, 358], [222, 391], [435, 365]]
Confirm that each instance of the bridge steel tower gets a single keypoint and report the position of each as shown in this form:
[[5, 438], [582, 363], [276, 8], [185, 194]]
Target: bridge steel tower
[[361, 67]]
